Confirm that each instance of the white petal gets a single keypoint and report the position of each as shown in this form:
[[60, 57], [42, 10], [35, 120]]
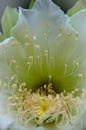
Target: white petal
[[42, 22], [5, 122], [46, 25], [3, 64], [78, 21], [8, 123]]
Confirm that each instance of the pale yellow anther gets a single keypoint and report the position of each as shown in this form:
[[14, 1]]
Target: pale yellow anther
[[77, 63], [38, 56], [26, 31], [30, 57], [5, 84], [7, 78], [45, 86], [14, 86], [26, 36], [27, 44], [45, 34], [66, 65], [46, 51], [80, 75], [0, 82], [69, 34], [28, 63], [13, 61], [37, 46], [20, 90], [52, 58], [50, 76], [4, 46], [76, 89], [19, 43], [60, 29], [76, 36], [34, 37], [17, 66], [12, 77], [48, 26], [23, 84], [59, 35], [14, 43]]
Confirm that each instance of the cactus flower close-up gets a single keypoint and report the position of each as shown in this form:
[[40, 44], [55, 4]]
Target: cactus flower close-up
[[43, 68]]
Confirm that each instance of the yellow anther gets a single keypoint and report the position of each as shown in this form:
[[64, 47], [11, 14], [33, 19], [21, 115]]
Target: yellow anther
[[69, 34], [27, 44], [34, 37], [60, 29], [80, 75]]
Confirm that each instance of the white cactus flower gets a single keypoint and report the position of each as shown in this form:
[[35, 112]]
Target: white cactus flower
[[42, 69]]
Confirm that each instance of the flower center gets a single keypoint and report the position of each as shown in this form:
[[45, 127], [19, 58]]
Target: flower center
[[45, 105]]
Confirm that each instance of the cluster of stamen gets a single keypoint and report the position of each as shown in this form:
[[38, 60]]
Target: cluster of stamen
[[45, 106]]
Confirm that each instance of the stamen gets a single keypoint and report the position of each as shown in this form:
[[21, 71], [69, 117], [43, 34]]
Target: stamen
[[40, 108]]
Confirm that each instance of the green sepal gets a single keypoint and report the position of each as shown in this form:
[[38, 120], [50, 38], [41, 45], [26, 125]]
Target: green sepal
[[31, 4], [78, 6], [8, 20], [1, 37]]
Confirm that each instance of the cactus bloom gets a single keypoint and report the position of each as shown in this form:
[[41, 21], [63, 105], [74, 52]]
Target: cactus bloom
[[42, 69]]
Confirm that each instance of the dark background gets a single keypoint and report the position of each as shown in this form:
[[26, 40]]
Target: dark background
[[64, 4]]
